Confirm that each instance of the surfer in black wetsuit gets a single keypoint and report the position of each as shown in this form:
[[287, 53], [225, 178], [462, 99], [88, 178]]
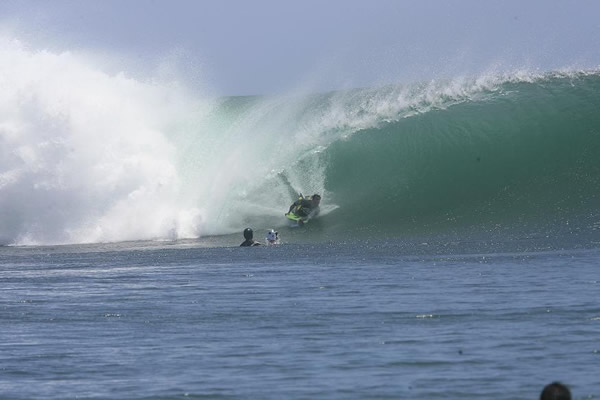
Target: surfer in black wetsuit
[[248, 234], [304, 206]]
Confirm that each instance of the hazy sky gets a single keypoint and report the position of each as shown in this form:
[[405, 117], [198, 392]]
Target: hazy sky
[[266, 46]]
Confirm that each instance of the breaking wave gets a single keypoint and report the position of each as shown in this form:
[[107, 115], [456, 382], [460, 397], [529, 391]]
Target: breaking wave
[[86, 156]]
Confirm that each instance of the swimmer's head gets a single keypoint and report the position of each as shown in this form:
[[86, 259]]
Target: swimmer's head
[[272, 235]]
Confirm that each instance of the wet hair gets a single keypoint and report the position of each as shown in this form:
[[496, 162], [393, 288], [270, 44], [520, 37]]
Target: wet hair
[[248, 234], [316, 196], [555, 391]]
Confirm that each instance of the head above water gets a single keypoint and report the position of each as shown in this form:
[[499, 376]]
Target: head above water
[[555, 391], [248, 234], [272, 235], [316, 199]]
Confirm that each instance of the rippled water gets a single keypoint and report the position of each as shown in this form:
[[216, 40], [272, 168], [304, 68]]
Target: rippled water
[[296, 322]]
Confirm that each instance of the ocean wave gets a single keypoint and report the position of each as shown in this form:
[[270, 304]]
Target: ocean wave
[[86, 156]]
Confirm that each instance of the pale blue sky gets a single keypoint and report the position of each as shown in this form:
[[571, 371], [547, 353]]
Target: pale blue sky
[[265, 46]]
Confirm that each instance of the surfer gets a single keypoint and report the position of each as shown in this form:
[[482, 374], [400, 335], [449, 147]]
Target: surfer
[[304, 207], [248, 235], [272, 237]]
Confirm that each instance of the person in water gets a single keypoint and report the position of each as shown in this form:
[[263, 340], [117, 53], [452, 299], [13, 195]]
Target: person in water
[[305, 206], [272, 238], [248, 235], [555, 391]]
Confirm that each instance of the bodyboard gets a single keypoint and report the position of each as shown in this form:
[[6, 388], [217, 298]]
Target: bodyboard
[[293, 217]]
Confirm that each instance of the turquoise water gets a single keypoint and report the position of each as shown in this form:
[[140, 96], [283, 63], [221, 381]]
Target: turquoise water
[[522, 156], [356, 320]]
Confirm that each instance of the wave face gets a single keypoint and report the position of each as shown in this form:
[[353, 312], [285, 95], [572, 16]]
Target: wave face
[[90, 157], [523, 155]]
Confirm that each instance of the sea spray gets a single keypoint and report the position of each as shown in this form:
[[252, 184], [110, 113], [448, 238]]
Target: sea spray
[[83, 155]]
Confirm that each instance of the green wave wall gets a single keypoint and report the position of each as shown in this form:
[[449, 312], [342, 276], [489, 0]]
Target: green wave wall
[[523, 156]]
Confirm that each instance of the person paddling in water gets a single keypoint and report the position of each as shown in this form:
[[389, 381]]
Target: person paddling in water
[[248, 235], [305, 207]]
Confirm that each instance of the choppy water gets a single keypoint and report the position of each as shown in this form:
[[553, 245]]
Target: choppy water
[[329, 321]]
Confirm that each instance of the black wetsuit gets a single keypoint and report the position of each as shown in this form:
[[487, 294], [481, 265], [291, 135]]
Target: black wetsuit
[[249, 243], [302, 207]]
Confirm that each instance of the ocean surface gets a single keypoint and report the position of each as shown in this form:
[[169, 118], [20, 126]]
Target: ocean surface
[[455, 256], [355, 320]]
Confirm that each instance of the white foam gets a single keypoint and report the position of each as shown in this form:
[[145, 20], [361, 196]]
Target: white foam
[[83, 154]]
